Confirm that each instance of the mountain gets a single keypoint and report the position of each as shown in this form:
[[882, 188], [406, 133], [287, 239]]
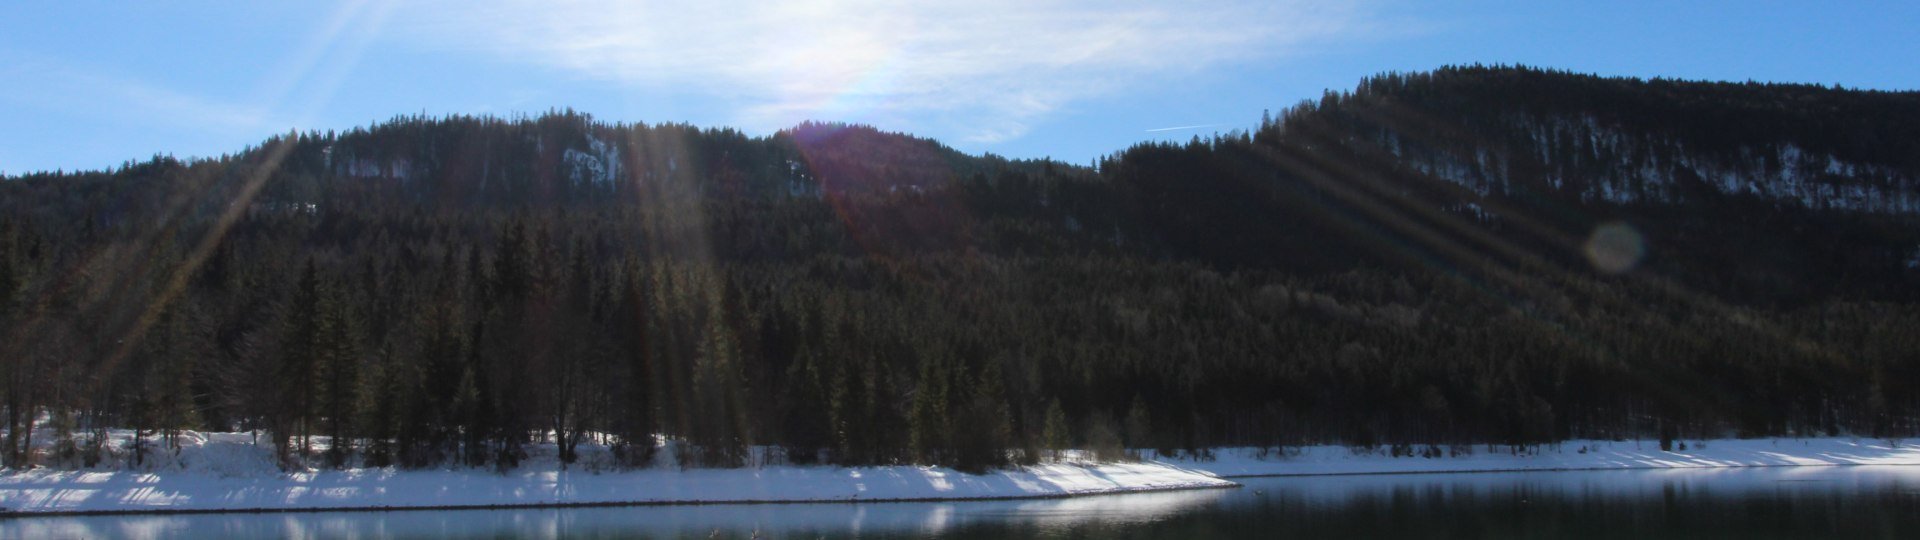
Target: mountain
[[1522, 131], [1755, 192], [1469, 255]]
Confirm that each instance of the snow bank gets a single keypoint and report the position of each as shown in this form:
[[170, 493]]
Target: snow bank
[[1570, 455], [80, 491], [225, 471]]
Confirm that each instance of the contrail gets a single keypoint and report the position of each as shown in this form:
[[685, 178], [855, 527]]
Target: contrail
[[1178, 128]]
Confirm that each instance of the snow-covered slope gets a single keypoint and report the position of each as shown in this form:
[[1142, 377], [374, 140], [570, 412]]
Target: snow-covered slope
[[84, 491], [1571, 455], [226, 471], [1614, 166]]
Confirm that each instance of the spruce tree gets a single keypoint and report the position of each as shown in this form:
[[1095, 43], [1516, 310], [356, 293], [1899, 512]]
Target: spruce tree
[[1139, 429], [636, 420], [1055, 436], [339, 367], [985, 431], [719, 432], [928, 422], [298, 367], [806, 428]]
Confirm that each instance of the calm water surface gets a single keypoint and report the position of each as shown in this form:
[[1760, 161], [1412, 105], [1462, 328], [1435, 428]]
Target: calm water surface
[[1808, 502]]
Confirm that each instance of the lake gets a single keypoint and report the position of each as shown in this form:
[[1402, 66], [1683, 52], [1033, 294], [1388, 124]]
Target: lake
[[1786, 502]]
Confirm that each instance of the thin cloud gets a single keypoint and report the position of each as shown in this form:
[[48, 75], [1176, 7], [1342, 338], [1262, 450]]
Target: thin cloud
[[1182, 128], [982, 71], [305, 81], [63, 85]]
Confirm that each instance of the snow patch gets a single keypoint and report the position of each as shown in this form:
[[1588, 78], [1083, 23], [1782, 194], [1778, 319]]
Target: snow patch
[[599, 163]]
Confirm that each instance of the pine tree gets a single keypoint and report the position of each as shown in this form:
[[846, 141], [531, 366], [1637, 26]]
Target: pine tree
[[298, 367], [11, 271], [570, 394], [432, 384], [385, 404], [636, 420], [1139, 426], [806, 425], [718, 391], [339, 367], [1054, 434], [1103, 438], [985, 431], [852, 411], [172, 385], [928, 422]]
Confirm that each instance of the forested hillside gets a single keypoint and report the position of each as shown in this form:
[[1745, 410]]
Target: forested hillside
[[1471, 255]]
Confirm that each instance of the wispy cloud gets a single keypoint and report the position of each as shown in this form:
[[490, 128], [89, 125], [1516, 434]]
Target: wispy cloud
[[989, 68], [1183, 128], [63, 85], [305, 80], [290, 91]]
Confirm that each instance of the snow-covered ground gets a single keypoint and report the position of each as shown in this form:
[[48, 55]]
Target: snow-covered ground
[[226, 471], [1570, 455]]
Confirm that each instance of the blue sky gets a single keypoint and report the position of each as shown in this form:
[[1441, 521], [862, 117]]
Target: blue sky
[[89, 85]]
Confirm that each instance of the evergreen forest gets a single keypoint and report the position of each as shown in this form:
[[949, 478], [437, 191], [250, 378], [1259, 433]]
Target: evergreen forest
[[1476, 255]]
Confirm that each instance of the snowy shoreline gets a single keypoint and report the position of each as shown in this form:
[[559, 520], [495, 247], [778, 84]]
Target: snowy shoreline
[[40, 498], [43, 492], [1576, 455], [225, 473]]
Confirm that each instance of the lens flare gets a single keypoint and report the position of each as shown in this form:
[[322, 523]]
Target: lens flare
[[1615, 247]]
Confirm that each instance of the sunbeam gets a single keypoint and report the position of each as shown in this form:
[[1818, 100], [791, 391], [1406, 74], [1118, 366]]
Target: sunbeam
[[273, 153]]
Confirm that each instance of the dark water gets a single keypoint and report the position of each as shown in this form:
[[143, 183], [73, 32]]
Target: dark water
[[1824, 502]]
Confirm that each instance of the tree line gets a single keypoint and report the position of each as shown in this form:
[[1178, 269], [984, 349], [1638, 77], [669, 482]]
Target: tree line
[[429, 292]]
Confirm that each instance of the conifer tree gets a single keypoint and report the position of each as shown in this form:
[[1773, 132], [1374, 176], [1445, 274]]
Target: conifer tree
[[636, 420], [928, 421], [387, 422], [806, 425], [340, 375], [1055, 436], [298, 367], [719, 432], [172, 385], [985, 432], [1139, 426]]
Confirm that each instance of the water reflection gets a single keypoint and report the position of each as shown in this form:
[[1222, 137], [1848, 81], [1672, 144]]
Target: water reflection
[[1770, 502], [1785, 502], [811, 520]]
